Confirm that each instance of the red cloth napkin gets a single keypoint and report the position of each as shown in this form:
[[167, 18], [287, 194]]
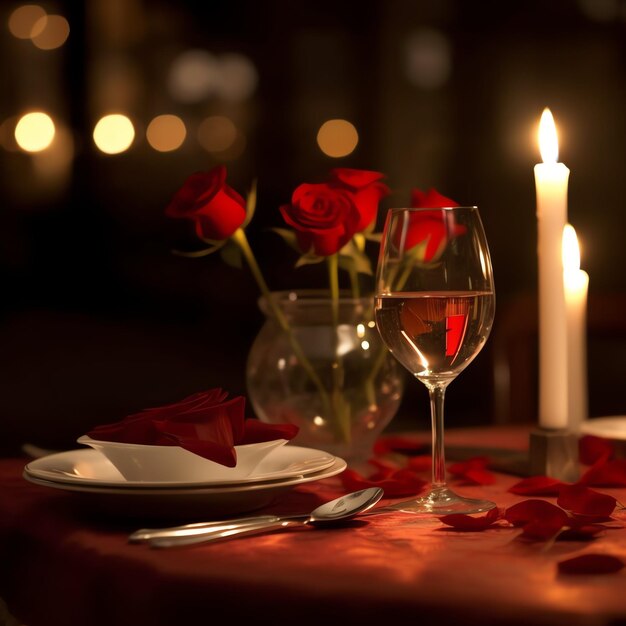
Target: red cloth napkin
[[206, 423]]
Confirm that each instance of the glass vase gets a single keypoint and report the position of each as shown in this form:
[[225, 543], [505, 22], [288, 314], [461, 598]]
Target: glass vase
[[328, 374]]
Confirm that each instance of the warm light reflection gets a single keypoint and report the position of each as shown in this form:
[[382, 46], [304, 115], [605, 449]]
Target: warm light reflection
[[337, 138], [571, 251], [50, 32], [166, 133], [114, 133], [193, 76], [238, 77], [423, 360], [54, 165], [428, 58], [23, 19], [34, 131], [548, 141], [217, 133]]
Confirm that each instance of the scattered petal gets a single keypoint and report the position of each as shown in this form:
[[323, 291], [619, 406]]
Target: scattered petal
[[462, 522], [584, 501], [400, 483], [473, 470], [420, 463], [540, 520], [401, 444], [542, 530], [537, 486], [384, 465], [585, 532], [606, 474], [531, 510], [591, 564], [593, 449]]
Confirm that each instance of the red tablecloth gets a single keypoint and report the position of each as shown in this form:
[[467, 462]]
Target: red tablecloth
[[60, 566]]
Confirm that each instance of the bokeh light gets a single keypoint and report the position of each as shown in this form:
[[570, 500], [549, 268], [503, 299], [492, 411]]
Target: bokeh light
[[34, 131], [428, 59], [23, 19], [193, 76], [217, 133], [337, 138], [238, 77], [114, 133], [50, 32], [166, 133], [54, 165]]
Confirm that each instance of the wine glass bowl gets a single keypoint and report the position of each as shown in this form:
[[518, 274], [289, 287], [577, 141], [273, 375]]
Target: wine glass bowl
[[435, 305]]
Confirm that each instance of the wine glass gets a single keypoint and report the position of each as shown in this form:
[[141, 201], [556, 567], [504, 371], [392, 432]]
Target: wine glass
[[435, 306]]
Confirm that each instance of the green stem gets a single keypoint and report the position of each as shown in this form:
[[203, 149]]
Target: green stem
[[354, 283], [239, 237], [340, 406], [333, 280]]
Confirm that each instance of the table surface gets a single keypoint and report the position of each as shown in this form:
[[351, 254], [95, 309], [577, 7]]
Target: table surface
[[60, 565]]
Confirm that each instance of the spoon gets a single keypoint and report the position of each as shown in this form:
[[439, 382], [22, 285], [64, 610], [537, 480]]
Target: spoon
[[341, 508]]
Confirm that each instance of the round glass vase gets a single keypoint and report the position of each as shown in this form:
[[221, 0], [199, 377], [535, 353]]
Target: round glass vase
[[330, 375]]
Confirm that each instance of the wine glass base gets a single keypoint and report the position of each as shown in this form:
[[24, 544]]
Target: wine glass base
[[443, 501]]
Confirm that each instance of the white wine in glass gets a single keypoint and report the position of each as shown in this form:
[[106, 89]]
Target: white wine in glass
[[435, 305]]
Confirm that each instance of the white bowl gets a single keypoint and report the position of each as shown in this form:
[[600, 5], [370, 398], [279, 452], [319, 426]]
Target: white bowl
[[138, 462]]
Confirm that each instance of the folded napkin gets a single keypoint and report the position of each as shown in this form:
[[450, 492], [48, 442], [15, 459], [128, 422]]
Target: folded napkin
[[206, 423]]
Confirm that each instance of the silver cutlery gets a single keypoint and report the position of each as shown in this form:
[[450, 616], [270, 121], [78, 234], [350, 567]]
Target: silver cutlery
[[342, 508]]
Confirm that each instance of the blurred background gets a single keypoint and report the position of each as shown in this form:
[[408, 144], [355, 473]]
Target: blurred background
[[98, 317]]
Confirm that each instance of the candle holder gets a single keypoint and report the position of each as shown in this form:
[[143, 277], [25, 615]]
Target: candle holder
[[554, 453]]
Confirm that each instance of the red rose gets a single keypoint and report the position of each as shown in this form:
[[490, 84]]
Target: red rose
[[206, 423], [217, 209], [324, 217], [435, 227], [430, 199], [367, 189]]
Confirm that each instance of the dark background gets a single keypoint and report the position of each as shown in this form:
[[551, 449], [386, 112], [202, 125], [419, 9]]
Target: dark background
[[98, 318]]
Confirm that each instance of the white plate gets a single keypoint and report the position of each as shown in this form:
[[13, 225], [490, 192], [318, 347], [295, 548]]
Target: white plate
[[181, 503], [91, 467], [613, 427]]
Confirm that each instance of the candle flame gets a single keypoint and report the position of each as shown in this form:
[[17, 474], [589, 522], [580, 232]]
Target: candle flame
[[571, 251], [548, 141]]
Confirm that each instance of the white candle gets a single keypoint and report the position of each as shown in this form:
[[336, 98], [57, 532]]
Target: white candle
[[551, 185], [576, 283]]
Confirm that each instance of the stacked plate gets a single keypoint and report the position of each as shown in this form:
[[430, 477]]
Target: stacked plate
[[97, 481]]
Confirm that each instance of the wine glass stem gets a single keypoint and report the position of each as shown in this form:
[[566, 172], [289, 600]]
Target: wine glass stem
[[437, 392]]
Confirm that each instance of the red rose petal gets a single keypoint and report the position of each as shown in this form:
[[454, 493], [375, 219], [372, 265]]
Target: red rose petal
[[591, 564], [421, 463], [542, 530], [400, 444], [384, 464], [356, 179], [585, 532], [540, 519], [400, 483], [474, 471], [593, 449], [537, 486], [430, 199], [462, 522], [606, 474], [584, 501]]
